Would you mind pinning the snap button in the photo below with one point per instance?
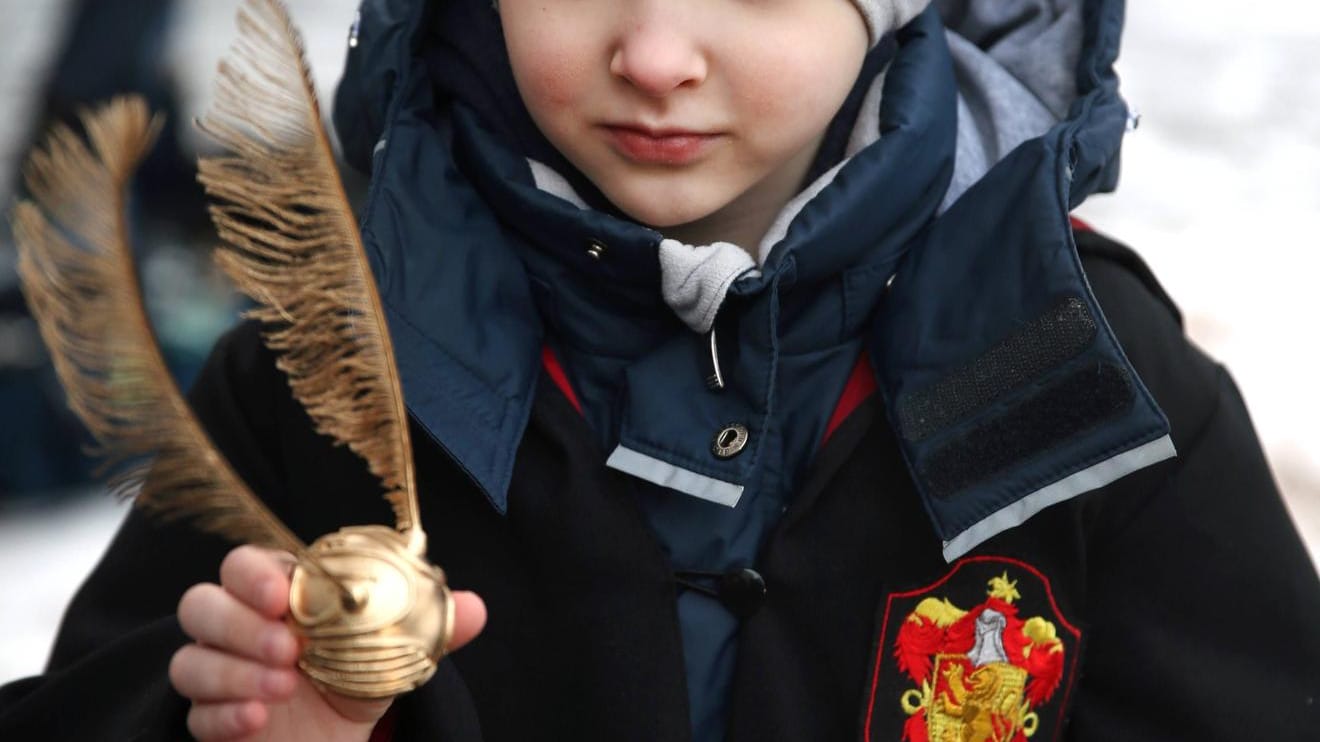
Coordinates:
(730, 441)
(596, 250)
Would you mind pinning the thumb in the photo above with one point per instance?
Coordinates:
(469, 618)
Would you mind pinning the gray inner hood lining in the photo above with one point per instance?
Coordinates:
(1016, 66)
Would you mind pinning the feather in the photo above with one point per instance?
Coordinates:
(293, 246)
(77, 272)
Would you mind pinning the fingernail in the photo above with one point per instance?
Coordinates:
(277, 684)
(279, 646)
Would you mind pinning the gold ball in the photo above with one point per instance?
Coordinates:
(386, 635)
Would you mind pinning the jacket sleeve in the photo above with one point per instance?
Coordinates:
(1203, 601)
(107, 673)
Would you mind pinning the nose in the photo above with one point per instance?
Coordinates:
(657, 56)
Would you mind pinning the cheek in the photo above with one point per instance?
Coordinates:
(794, 92)
(554, 81)
(793, 103)
(551, 69)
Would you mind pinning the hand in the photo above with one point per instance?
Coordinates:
(241, 674)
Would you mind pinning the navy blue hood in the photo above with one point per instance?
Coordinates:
(1005, 386)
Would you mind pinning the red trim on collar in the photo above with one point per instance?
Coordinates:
(556, 371)
(1080, 226)
(861, 385)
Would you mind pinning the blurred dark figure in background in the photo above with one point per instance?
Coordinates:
(110, 47)
(114, 47)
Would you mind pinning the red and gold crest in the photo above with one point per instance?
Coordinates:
(964, 671)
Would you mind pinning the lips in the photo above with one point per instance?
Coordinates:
(660, 146)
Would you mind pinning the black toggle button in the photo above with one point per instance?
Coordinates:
(742, 591)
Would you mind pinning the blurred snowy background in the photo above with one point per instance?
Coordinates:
(1220, 193)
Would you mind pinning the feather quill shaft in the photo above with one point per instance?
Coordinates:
(77, 272)
(293, 246)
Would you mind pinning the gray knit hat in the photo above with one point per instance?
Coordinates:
(883, 16)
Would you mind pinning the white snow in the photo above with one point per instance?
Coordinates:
(45, 553)
(1221, 195)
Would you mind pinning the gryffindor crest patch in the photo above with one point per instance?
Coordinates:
(982, 655)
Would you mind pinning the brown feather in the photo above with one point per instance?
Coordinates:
(77, 272)
(294, 247)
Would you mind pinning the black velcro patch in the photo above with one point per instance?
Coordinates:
(1060, 334)
(1060, 411)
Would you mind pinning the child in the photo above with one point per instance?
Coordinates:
(759, 391)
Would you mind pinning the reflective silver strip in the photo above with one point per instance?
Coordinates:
(1091, 478)
(666, 474)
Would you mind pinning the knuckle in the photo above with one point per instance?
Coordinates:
(249, 572)
(245, 718)
(241, 634)
(213, 616)
(236, 680)
(237, 561)
(179, 667)
(217, 721)
(189, 597)
(203, 723)
(195, 603)
(196, 674)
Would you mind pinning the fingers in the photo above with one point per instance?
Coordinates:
(213, 616)
(259, 578)
(207, 675)
(243, 615)
(225, 721)
(469, 618)
(245, 654)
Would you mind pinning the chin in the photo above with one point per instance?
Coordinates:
(662, 208)
(665, 220)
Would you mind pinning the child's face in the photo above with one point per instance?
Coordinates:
(678, 109)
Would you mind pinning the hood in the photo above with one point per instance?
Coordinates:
(979, 271)
(1018, 62)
